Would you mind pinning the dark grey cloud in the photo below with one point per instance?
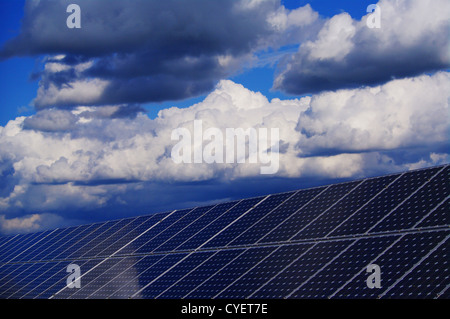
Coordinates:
(143, 50)
(413, 39)
(51, 121)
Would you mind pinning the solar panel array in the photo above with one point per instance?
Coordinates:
(311, 243)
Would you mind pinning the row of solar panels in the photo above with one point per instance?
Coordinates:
(265, 226)
(376, 205)
(413, 265)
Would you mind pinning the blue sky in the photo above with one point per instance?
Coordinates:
(86, 114)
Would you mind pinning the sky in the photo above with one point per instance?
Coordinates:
(87, 114)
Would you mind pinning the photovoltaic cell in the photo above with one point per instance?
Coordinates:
(337, 214)
(196, 277)
(365, 219)
(229, 273)
(439, 215)
(426, 280)
(275, 217)
(201, 223)
(125, 243)
(264, 271)
(185, 221)
(248, 220)
(166, 280)
(409, 213)
(300, 219)
(395, 262)
(312, 243)
(342, 269)
(300, 270)
(219, 224)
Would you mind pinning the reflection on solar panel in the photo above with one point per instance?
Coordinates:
(313, 243)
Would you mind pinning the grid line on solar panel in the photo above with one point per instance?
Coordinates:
(300, 270)
(230, 272)
(290, 226)
(102, 286)
(433, 191)
(444, 293)
(278, 273)
(20, 278)
(44, 236)
(159, 222)
(438, 216)
(124, 275)
(54, 249)
(200, 224)
(159, 227)
(263, 271)
(373, 212)
(277, 216)
(364, 268)
(322, 268)
(18, 271)
(200, 274)
(246, 272)
(394, 262)
(129, 243)
(402, 202)
(24, 244)
(15, 273)
(185, 221)
(78, 249)
(358, 184)
(93, 245)
(6, 239)
(147, 271)
(21, 243)
(364, 205)
(44, 245)
(32, 289)
(343, 268)
(346, 206)
(60, 288)
(427, 280)
(214, 227)
(165, 280)
(414, 267)
(100, 267)
(247, 219)
(26, 284)
(142, 224)
(143, 289)
(60, 250)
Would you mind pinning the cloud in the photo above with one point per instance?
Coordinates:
(345, 53)
(85, 163)
(34, 222)
(145, 51)
(51, 121)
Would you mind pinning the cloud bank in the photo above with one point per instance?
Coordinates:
(82, 161)
(413, 39)
(143, 51)
(147, 51)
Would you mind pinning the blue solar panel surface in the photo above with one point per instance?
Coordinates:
(312, 243)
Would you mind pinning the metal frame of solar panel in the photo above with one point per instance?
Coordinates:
(311, 243)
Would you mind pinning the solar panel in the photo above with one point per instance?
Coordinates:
(310, 243)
